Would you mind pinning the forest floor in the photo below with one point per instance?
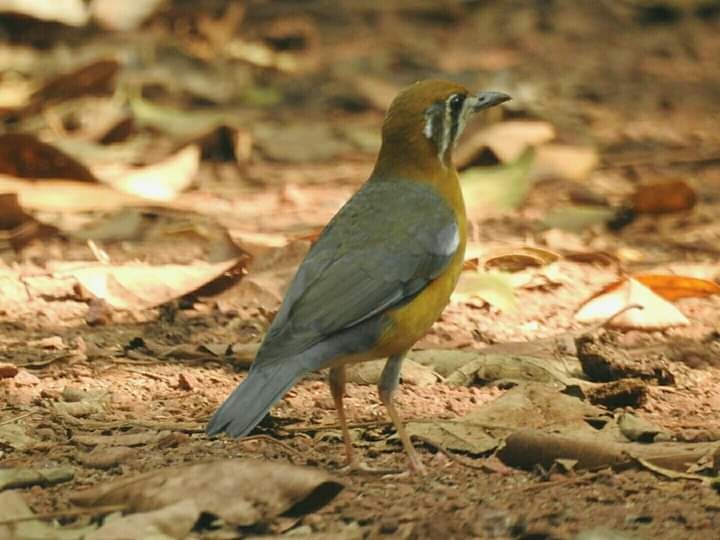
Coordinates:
(104, 386)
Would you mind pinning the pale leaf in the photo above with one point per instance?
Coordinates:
(655, 313)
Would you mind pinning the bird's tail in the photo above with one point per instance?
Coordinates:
(252, 399)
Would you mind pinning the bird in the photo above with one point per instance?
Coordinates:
(380, 273)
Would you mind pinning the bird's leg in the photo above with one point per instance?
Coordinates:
(336, 380)
(386, 388)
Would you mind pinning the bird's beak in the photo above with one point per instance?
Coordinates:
(485, 100)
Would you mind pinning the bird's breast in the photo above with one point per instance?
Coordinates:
(408, 323)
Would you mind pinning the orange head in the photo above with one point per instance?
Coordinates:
(423, 124)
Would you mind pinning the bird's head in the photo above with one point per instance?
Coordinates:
(423, 124)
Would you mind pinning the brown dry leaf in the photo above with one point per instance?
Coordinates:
(533, 405)
(663, 197)
(140, 286)
(25, 156)
(67, 195)
(602, 258)
(507, 140)
(161, 181)
(520, 258)
(655, 313)
(96, 79)
(241, 492)
(7, 370)
(454, 435)
(672, 287)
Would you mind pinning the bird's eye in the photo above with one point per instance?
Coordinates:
(456, 102)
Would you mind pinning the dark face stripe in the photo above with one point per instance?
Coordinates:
(454, 105)
(443, 123)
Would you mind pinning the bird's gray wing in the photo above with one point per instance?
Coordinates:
(383, 247)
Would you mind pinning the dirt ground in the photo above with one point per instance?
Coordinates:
(638, 83)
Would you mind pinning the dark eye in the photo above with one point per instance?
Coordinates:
(456, 102)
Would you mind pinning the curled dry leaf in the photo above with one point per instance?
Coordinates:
(520, 258)
(140, 286)
(241, 492)
(673, 287)
(663, 197)
(161, 181)
(655, 313)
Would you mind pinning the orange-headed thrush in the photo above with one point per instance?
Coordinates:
(382, 270)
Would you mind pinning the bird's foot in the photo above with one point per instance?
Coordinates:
(360, 467)
(415, 468)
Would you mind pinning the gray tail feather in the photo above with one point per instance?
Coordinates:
(251, 400)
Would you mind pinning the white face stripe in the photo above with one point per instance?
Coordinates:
(444, 124)
(428, 129)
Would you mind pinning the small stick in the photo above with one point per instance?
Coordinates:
(328, 427)
(289, 449)
(12, 420)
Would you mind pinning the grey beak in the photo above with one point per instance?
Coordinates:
(485, 100)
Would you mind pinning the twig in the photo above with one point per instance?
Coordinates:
(328, 427)
(381, 423)
(66, 513)
(13, 420)
(289, 449)
(185, 427)
(145, 374)
(669, 473)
